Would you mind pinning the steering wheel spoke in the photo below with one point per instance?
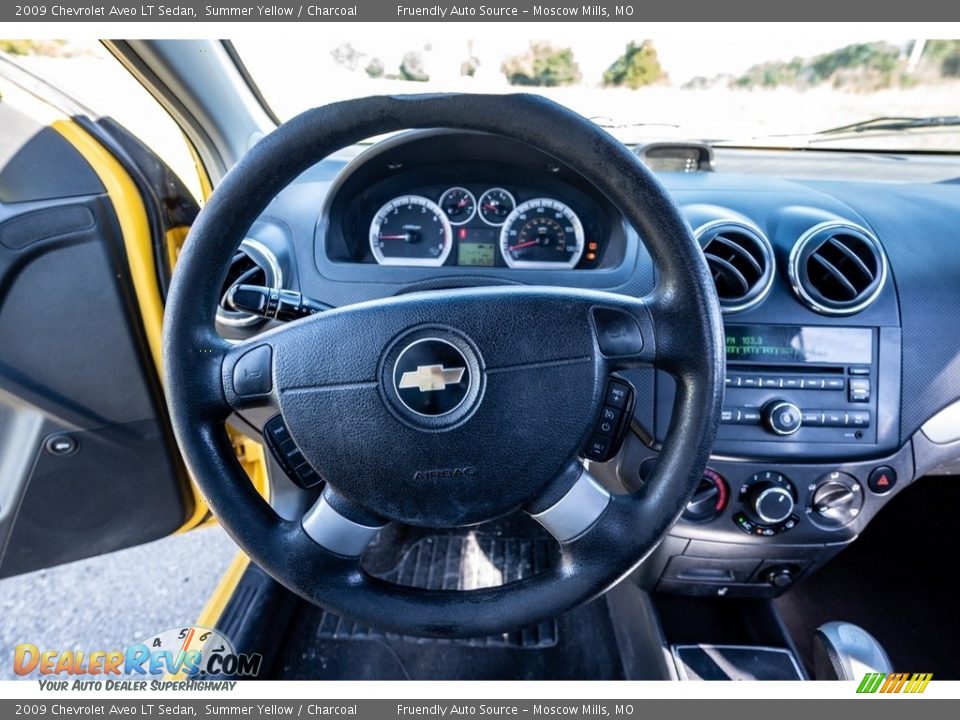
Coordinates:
(340, 526)
(569, 509)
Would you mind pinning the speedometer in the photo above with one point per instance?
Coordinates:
(410, 230)
(542, 233)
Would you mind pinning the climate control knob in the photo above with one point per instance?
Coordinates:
(782, 417)
(837, 500)
(770, 502)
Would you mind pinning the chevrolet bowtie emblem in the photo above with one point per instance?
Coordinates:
(428, 378)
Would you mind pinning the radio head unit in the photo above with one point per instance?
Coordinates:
(794, 389)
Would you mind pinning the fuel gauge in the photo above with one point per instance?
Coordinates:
(496, 204)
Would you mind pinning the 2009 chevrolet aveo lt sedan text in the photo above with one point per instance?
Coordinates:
(501, 393)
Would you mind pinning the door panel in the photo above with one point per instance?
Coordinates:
(87, 459)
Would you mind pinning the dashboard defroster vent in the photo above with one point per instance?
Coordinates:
(252, 264)
(741, 261)
(837, 268)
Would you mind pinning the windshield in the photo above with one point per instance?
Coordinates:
(645, 81)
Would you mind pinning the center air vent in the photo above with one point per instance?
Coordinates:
(837, 268)
(252, 264)
(741, 262)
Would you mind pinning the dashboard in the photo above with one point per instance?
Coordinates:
(839, 288)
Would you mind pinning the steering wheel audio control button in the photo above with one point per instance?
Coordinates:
(617, 394)
(288, 455)
(609, 420)
(599, 448)
(618, 334)
(611, 427)
(252, 375)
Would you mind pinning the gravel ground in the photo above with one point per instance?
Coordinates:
(111, 601)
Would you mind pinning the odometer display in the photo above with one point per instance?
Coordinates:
(542, 233)
(410, 230)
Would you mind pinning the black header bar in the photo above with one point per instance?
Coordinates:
(84, 11)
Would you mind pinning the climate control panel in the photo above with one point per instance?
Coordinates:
(754, 527)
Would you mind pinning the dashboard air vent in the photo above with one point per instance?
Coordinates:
(837, 268)
(741, 261)
(252, 264)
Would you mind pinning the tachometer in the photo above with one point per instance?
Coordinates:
(542, 233)
(459, 204)
(410, 230)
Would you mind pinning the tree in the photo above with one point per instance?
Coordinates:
(412, 67)
(638, 66)
(543, 65)
(375, 68)
(945, 54)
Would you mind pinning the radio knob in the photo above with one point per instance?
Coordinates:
(782, 417)
(770, 502)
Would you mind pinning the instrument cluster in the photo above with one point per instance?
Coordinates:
(482, 226)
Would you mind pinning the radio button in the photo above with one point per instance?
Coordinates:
(813, 417)
(770, 382)
(812, 383)
(792, 383)
(750, 381)
(859, 390)
(835, 383)
(859, 370)
(749, 416)
(729, 415)
(858, 418)
(834, 418)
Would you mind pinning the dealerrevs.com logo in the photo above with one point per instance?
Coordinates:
(187, 653)
(887, 683)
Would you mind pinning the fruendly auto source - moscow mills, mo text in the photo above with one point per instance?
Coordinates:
(513, 11)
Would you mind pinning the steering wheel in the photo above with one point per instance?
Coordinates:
(451, 407)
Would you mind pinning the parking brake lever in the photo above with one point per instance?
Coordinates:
(283, 305)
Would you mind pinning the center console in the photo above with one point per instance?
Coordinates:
(807, 453)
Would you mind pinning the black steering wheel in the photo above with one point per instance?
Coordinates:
(451, 407)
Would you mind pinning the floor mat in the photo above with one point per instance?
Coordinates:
(895, 581)
(585, 649)
(579, 645)
(460, 562)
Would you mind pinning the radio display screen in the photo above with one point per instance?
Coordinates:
(792, 344)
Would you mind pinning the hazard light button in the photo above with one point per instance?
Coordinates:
(882, 479)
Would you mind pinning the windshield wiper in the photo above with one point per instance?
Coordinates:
(893, 124)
